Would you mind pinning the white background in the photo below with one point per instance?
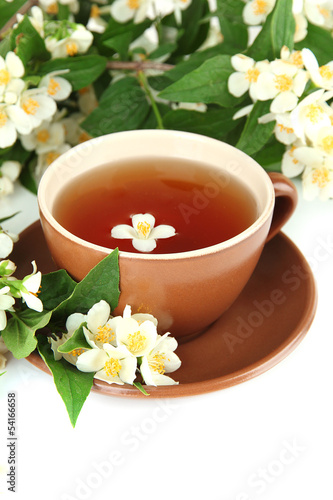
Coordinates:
(269, 438)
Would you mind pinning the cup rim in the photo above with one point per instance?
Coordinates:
(253, 228)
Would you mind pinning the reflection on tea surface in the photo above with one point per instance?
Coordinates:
(205, 206)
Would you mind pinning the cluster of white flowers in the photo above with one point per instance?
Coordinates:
(121, 346)
(31, 114)
(304, 125)
(11, 288)
(317, 12)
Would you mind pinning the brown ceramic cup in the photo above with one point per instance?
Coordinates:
(186, 291)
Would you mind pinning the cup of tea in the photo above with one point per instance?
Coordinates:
(189, 214)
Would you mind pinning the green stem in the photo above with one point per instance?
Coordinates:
(143, 80)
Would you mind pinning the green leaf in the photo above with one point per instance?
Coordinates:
(8, 10)
(214, 123)
(19, 334)
(5, 46)
(9, 217)
(27, 177)
(262, 47)
(101, 283)
(27, 42)
(139, 386)
(283, 26)
(72, 385)
(207, 84)
(318, 40)
(123, 106)
(235, 31)
(270, 156)
(194, 29)
(255, 135)
(56, 287)
(83, 70)
(76, 341)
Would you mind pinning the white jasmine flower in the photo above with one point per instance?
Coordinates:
(100, 327)
(284, 83)
(13, 120)
(36, 19)
(294, 57)
(6, 186)
(96, 23)
(321, 76)
(74, 134)
(136, 333)
(6, 302)
(78, 42)
(125, 10)
(290, 165)
(324, 140)
(7, 241)
(243, 112)
(318, 173)
(57, 87)
(44, 160)
(114, 365)
(256, 11)
(246, 76)
(143, 233)
(11, 84)
(319, 12)
(45, 138)
(37, 106)
(30, 287)
(283, 129)
(301, 27)
(311, 114)
(11, 169)
(159, 361)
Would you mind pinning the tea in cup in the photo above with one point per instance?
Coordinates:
(189, 214)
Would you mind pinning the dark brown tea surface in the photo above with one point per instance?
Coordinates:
(204, 205)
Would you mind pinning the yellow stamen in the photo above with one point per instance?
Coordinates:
(326, 72)
(53, 87)
(30, 106)
(324, 12)
(71, 48)
(112, 367)
(4, 77)
(259, 7)
(43, 135)
(52, 8)
(50, 157)
(95, 11)
(283, 128)
(133, 4)
(136, 341)
(252, 75)
(105, 334)
(321, 177)
(327, 143)
(143, 228)
(76, 352)
(157, 363)
(314, 112)
(291, 152)
(297, 59)
(283, 82)
(3, 119)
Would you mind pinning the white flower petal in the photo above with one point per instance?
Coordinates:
(15, 65)
(32, 301)
(143, 218)
(123, 231)
(74, 321)
(92, 361)
(238, 84)
(6, 245)
(162, 231)
(286, 101)
(144, 245)
(98, 315)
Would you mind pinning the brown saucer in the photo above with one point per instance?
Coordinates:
(268, 320)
